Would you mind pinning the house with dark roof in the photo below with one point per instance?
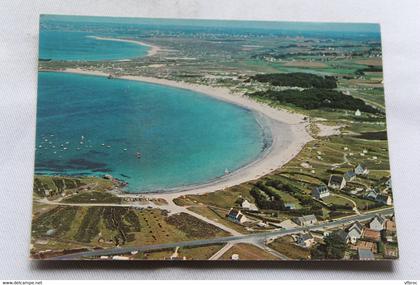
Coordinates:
(306, 220)
(371, 194)
(336, 182)
(349, 176)
(320, 191)
(361, 170)
(236, 216)
(305, 240)
(384, 199)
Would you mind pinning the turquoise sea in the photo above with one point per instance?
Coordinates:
(90, 125)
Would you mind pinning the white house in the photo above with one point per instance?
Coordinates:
(377, 223)
(337, 182)
(306, 220)
(320, 192)
(248, 206)
(357, 113)
(354, 232)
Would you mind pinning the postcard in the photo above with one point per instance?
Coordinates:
(169, 139)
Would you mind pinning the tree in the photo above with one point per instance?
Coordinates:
(335, 246)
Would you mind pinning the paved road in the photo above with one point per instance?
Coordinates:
(252, 238)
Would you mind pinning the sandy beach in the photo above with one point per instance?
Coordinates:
(153, 49)
(281, 123)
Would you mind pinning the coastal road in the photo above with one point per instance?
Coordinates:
(257, 238)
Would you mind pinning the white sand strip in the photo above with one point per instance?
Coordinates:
(153, 49)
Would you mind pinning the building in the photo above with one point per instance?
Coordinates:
(320, 192)
(336, 182)
(371, 194)
(361, 170)
(248, 206)
(388, 183)
(390, 231)
(361, 244)
(349, 176)
(377, 223)
(365, 254)
(357, 113)
(236, 216)
(371, 235)
(305, 240)
(354, 232)
(384, 199)
(306, 220)
(290, 206)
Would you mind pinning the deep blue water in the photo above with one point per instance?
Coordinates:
(184, 137)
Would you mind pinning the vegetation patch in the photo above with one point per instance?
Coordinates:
(193, 227)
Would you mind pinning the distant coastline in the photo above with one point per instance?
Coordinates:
(153, 49)
(279, 153)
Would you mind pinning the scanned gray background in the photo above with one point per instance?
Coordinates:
(18, 81)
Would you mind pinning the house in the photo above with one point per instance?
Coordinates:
(390, 252)
(290, 206)
(236, 216)
(357, 113)
(365, 254)
(361, 244)
(305, 240)
(320, 192)
(248, 206)
(306, 220)
(388, 183)
(371, 235)
(371, 194)
(361, 170)
(336, 182)
(390, 231)
(377, 223)
(354, 232)
(384, 199)
(349, 176)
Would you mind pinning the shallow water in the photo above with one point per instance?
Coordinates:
(90, 125)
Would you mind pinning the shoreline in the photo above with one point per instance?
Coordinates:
(281, 150)
(153, 49)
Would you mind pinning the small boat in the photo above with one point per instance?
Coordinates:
(226, 171)
(138, 155)
(110, 76)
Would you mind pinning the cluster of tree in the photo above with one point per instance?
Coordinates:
(266, 198)
(298, 79)
(334, 248)
(370, 68)
(316, 98)
(309, 205)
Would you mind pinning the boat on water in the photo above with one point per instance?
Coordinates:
(227, 171)
(138, 155)
(110, 76)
